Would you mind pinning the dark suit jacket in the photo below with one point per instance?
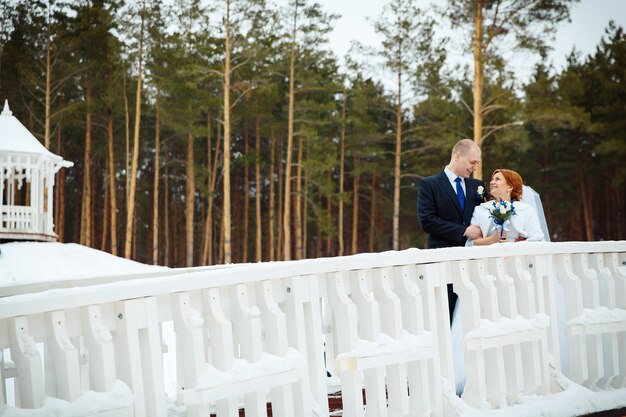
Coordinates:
(440, 213)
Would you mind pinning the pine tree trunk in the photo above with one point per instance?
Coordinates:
(575, 230)
(287, 204)
(586, 207)
(342, 150)
(155, 187)
(246, 195)
(396, 170)
(48, 85)
(220, 256)
(373, 214)
(85, 229)
(59, 211)
(477, 91)
(608, 191)
(134, 245)
(94, 208)
(112, 198)
(213, 186)
(305, 203)
(281, 200)
(226, 213)
(329, 216)
(207, 249)
(105, 218)
(319, 246)
(257, 201)
(130, 209)
(237, 214)
(76, 226)
(127, 138)
(174, 237)
(166, 218)
(272, 207)
(298, 202)
(355, 206)
(207, 230)
(190, 191)
(619, 229)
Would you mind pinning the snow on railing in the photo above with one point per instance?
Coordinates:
(219, 339)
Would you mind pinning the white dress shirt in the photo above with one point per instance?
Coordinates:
(452, 178)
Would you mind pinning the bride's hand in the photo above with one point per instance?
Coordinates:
(495, 238)
(502, 238)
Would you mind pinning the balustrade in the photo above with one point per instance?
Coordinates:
(16, 218)
(253, 333)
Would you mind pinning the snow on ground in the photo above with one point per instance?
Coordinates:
(30, 262)
(90, 403)
(39, 262)
(573, 400)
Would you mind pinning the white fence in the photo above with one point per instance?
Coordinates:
(248, 334)
(17, 219)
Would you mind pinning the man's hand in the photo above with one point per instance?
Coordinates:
(473, 232)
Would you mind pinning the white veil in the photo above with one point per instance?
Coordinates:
(531, 197)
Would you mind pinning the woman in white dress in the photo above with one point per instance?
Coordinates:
(524, 225)
(506, 185)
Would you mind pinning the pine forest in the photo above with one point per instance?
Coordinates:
(222, 131)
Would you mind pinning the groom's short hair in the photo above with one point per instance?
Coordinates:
(463, 146)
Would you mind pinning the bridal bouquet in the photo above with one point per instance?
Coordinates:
(501, 211)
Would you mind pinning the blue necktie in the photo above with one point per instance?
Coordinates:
(459, 193)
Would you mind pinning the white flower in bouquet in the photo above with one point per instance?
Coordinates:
(501, 211)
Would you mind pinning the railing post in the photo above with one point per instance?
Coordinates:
(391, 323)
(618, 272)
(591, 299)
(425, 390)
(304, 324)
(248, 325)
(433, 279)
(345, 323)
(275, 327)
(99, 344)
(190, 359)
(62, 364)
(572, 288)
(222, 349)
(139, 360)
(475, 392)
(369, 329)
(24, 352)
(609, 342)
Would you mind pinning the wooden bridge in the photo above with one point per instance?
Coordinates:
(378, 324)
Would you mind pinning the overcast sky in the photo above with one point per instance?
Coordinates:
(589, 20)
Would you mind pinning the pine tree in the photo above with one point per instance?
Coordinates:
(518, 25)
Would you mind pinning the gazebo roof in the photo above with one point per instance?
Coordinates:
(15, 138)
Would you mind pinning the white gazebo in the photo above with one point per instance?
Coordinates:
(27, 171)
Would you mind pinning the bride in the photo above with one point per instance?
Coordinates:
(506, 185)
(524, 225)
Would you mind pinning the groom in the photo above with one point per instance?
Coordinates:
(446, 201)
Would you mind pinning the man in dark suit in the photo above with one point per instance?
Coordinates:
(446, 201)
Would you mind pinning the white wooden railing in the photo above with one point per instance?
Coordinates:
(247, 334)
(17, 218)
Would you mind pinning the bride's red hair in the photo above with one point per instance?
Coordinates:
(514, 180)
